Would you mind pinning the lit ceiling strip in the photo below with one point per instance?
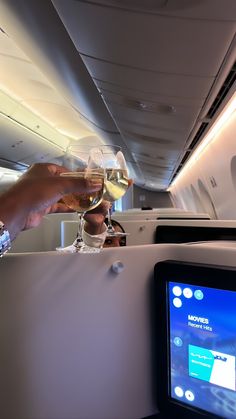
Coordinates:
(224, 117)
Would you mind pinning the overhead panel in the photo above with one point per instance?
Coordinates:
(28, 87)
(21, 145)
(148, 57)
(194, 9)
(152, 42)
(144, 64)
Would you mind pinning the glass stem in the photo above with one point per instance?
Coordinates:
(79, 241)
(110, 228)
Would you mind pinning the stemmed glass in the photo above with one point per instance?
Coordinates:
(116, 181)
(83, 162)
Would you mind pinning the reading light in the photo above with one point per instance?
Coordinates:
(224, 117)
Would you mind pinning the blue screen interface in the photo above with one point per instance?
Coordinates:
(202, 336)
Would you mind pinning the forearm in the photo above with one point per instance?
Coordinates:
(12, 213)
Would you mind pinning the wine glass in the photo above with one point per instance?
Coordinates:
(83, 162)
(116, 181)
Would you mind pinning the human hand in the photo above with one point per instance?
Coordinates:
(94, 219)
(37, 193)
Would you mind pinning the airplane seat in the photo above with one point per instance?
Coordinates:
(52, 229)
(76, 330)
(160, 215)
(143, 232)
(29, 241)
(177, 231)
(196, 233)
(69, 230)
(45, 237)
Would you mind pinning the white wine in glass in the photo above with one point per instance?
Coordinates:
(84, 162)
(116, 180)
(83, 202)
(116, 184)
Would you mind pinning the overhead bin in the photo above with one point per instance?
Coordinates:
(51, 49)
(21, 145)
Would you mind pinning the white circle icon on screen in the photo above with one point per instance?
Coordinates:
(177, 291)
(189, 395)
(177, 302)
(198, 294)
(178, 341)
(179, 391)
(188, 293)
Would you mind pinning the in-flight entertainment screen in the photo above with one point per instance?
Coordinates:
(201, 340)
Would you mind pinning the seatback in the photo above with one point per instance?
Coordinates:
(75, 331)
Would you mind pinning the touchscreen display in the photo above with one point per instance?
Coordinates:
(202, 336)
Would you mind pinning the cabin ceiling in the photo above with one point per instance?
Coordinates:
(140, 73)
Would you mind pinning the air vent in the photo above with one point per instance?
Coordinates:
(147, 138)
(145, 157)
(147, 106)
(155, 166)
(224, 90)
(152, 174)
(228, 83)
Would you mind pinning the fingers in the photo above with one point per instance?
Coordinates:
(44, 170)
(100, 209)
(130, 182)
(60, 207)
(80, 184)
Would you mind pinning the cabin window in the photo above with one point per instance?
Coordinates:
(207, 201)
(233, 171)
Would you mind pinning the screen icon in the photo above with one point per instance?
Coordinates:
(177, 291)
(187, 292)
(189, 395)
(178, 341)
(179, 391)
(177, 302)
(198, 294)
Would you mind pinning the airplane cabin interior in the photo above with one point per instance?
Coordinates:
(144, 329)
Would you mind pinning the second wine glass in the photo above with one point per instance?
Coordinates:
(116, 180)
(84, 162)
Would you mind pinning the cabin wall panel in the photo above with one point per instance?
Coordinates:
(145, 198)
(213, 170)
(127, 199)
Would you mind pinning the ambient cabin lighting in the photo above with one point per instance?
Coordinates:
(224, 117)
